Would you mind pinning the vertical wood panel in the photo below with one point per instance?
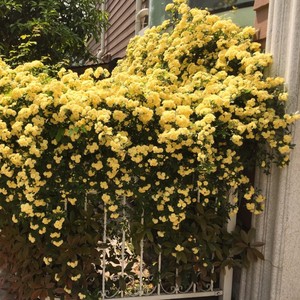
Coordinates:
(261, 8)
(121, 29)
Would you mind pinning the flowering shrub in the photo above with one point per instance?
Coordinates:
(174, 129)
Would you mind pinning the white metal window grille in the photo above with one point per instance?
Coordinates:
(136, 276)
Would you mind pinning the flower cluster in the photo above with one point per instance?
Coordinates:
(174, 129)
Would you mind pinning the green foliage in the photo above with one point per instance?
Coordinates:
(52, 30)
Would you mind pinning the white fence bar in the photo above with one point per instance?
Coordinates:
(226, 276)
(104, 252)
(123, 241)
(141, 260)
(159, 272)
(141, 284)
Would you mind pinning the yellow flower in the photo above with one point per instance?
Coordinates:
(42, 231)
(169, 6)
(47, 260)
(14, 219)
(119, 115)
(57, 243)
(114, 216)
(154, 221)
(113, 208)
(81, 296)
(160, 207)
(27, 209)
(34, 227)
(195, 250)
(31, 238)
(75, 278)
(58, 224)
(161, 233)
(284, 149)
(72, 201)
(250, 206)
(67, 290)
(105, 198)
(46, 221)
(179, 248)
(55, 235)
(237, 139)
(72, 264)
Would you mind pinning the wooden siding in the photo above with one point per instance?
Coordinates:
(121, 28)
(261, 8)
(94, 46)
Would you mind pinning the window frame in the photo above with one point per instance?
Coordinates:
(231, 7)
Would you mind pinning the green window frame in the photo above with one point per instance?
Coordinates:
(217, 6)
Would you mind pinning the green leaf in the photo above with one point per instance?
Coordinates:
(149, 235)
(257, 244)
(241, 245)
(219, 254)
(251, 256)
(122, 284)
(60, 133)
(245, 237)
(258, 254)
(251, 234)
(199, 209)
(236, 250)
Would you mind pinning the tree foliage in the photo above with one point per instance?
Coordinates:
(53, 29)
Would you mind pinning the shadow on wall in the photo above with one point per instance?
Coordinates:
(108, 66)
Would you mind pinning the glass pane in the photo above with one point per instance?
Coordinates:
(219, 4)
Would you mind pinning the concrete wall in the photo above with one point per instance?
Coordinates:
(278, 277)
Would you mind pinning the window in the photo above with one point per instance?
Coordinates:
(220, 5)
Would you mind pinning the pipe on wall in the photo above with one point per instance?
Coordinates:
(138, 17)
(102, 37)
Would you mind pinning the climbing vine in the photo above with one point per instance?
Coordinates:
(174, 130)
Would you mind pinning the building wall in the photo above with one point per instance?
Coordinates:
(120, 30)
(261, 8)
(278, 277)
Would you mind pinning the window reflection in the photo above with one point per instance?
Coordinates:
(220, 5)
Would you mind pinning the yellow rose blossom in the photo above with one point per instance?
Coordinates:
(14, 219)
(57, 243)
(195, 250)
(55, 235)
(75, 278)
(31, 238)
(179, 248)
(47, 260)
(114, 216)
(113, 208)
(58, 224)
(42, 231)
(67, 290)
(81, 296)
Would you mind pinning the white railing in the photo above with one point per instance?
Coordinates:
(136, 276)
(137, 282)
